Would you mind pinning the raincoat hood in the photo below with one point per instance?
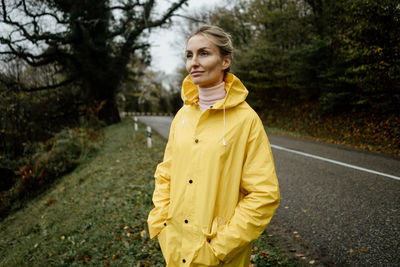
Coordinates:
(236, 92)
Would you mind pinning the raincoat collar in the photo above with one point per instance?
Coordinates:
(236, 92)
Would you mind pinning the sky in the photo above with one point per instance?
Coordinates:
(167, 46)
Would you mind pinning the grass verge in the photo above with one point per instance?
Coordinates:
(380, 133)
(96, 215)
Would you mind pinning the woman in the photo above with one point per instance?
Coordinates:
(216, 189)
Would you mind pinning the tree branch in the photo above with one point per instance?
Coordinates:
(126, 7)
(45, 58)
(36, 37)
(48, 87)
(167, 15)
(34, 16)
(189, 18)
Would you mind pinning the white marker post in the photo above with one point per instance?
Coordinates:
(136, 127)
(148, 136)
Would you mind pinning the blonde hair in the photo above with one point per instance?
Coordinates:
(217, 36)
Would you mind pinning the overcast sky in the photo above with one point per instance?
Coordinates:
(166, 50)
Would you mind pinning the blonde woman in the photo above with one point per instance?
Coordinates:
(216, 189)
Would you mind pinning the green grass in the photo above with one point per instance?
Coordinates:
(266, 253)
(97, 214)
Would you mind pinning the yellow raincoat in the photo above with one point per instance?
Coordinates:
(216, 189)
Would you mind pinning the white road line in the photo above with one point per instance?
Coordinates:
(335, 162)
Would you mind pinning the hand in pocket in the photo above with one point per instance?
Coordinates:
(205, 256)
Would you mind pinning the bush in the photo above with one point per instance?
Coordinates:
(50, 160)
(30, 117)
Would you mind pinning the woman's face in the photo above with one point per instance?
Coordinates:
(204, 62)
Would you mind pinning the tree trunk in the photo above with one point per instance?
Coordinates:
(109, 112)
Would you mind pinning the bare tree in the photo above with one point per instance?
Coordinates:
(90, 42)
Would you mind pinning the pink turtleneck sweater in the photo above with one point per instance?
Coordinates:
(208, 96)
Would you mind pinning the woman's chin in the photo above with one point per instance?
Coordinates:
(197, 80)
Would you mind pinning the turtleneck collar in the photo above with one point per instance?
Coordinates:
(208, 96)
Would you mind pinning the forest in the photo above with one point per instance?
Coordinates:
(326, 69)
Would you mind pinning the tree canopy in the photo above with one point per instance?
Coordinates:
(342, 55)
(89, 42)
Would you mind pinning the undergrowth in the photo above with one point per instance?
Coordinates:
(363, 130)
(43, 163)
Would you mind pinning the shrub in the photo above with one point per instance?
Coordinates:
(50, 160)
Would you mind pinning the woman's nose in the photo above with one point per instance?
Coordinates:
(194, 62)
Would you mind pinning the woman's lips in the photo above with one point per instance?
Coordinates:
(196, 73)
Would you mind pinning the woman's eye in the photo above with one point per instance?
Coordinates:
(204, 53)
(188, 55)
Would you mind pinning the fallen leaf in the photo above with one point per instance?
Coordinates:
(299, 255)
(295, 232)
(311, 262)
(118, 237)
(256, 248)
(286, 207)
(363, 250)
(143, 233)
(297, 236)
(351, 250)
(36, 245)
(305, 211)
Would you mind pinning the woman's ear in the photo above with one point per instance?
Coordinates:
(226, 62)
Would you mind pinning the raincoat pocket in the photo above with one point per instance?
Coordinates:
(205, 256)
(217, 225)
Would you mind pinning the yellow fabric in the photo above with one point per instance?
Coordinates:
(212, 201)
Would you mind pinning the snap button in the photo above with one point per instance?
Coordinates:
(165, 224)
(190, 181)
(186, 221)
(208, 240)
(197, 140)
(183, 260)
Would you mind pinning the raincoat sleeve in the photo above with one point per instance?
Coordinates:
(260, 187)
(161, 195)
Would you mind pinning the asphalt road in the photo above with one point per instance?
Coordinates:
(351, 215)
